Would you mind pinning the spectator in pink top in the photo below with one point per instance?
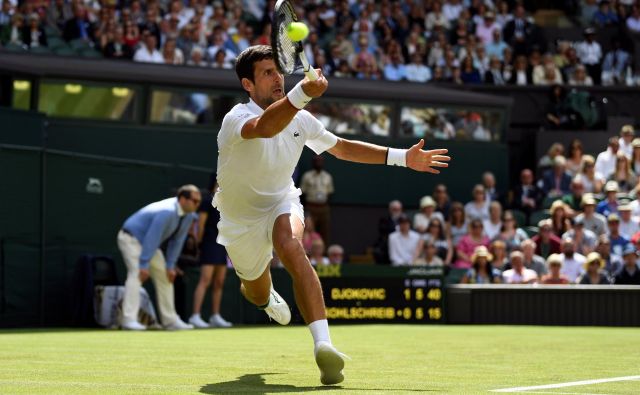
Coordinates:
(468, 243)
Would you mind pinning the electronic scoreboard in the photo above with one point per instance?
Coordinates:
(355, 293)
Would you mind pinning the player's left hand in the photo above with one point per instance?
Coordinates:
(420, 160)
(171, 275)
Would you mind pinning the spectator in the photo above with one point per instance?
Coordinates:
(590, 54)
(436, 18)
(623, 175)
(526, 196)
(403, 243)
(540, 72)
(558, 115)
(615, 63)
(625, 142)
(436, 235)
(493, 224)
(148, 52)
(519, 274)
(172, 54)
(6, 12)
(572, 262)
(489, 183)
(395, 69)
(429, 256)
(485, 31)
(547, 161)
(522, 74)
(427, 213)
(452, 9)
(33, 34)
(468, 73)
(594, 275)
(417, 71)
(628, 224)
(593, 221)
(443, 203)
(468, 243)
(556, 182)
(518, 32)
(197, 57)
(546, 242)
(457, 226)
(610, 204)
(584, 239)
(13, 33)
(560, 215)
(481, 272)
(139, 241)
(309, 234)
(500, 257)
(574, 199)
(509, 233)
(213, 263)
(221, 61)
(317, 187)
(131, 34)
(497, 46)
(494, 76)
(531, 260)
(335, 253)
(612, 263)
(630, 273)
(580, 77)
(78, 27)
(116, 47)
(591, 179)
(478, 208)
(605, 16)
(317, 257)
(555, 276)
(387, 225)
(618, 242)
(574, 159)
(633, 21)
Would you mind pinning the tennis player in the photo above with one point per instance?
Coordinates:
(260, 143)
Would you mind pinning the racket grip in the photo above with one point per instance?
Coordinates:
(309, 71)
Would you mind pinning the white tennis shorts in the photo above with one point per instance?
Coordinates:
(250, 248)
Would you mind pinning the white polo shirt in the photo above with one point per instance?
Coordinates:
(254, 175)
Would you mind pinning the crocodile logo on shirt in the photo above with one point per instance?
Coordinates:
(296, 134)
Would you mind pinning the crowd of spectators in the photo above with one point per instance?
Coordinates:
(459, 41)
(579, 222)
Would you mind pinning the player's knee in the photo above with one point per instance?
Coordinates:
(288, 248)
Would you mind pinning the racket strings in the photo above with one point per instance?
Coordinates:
(286, 48)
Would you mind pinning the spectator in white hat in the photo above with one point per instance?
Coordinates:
(628, 223)
(426, 214)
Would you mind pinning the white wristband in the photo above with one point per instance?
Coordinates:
(396, 157)
(297, 97)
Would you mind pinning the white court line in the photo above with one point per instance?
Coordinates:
(571, 384)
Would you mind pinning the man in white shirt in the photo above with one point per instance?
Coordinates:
(416, 71)
(519, 274)
(606, 160)
(148, 52)
(627, 133)
(590, 54)
(452, 9)
(572, 262)
(403, 243)
(260, 143)
(628, 223)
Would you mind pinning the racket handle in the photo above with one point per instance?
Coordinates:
(309, 71)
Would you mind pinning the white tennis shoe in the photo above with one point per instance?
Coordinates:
(216, 321)
(278, 309)
(331, 362)
(197, 321)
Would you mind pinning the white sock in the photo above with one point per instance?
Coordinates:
(195, 315)
(320, 331)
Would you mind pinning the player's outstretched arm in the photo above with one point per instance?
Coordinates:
(415, 157)
(279, 114)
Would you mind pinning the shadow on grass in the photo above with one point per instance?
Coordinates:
(255, 384)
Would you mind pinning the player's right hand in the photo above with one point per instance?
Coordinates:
(143, 275)
(315, 88)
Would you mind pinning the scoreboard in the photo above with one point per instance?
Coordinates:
(358, 294)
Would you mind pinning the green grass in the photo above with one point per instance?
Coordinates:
(385, 359)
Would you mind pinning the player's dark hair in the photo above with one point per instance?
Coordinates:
(185, 191)
(247, 59)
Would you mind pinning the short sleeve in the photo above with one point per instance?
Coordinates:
(318, 138)
(231, 129)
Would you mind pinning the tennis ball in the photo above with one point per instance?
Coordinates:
(297, 31)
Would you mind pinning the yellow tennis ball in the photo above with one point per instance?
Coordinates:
(297, 31)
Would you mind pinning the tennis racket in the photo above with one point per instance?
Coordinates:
(285, 50)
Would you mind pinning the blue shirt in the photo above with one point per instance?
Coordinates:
(605, 208)
(154, 224)
(618, 244)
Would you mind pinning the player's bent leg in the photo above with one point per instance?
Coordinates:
(287, 236)
(261, 293)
